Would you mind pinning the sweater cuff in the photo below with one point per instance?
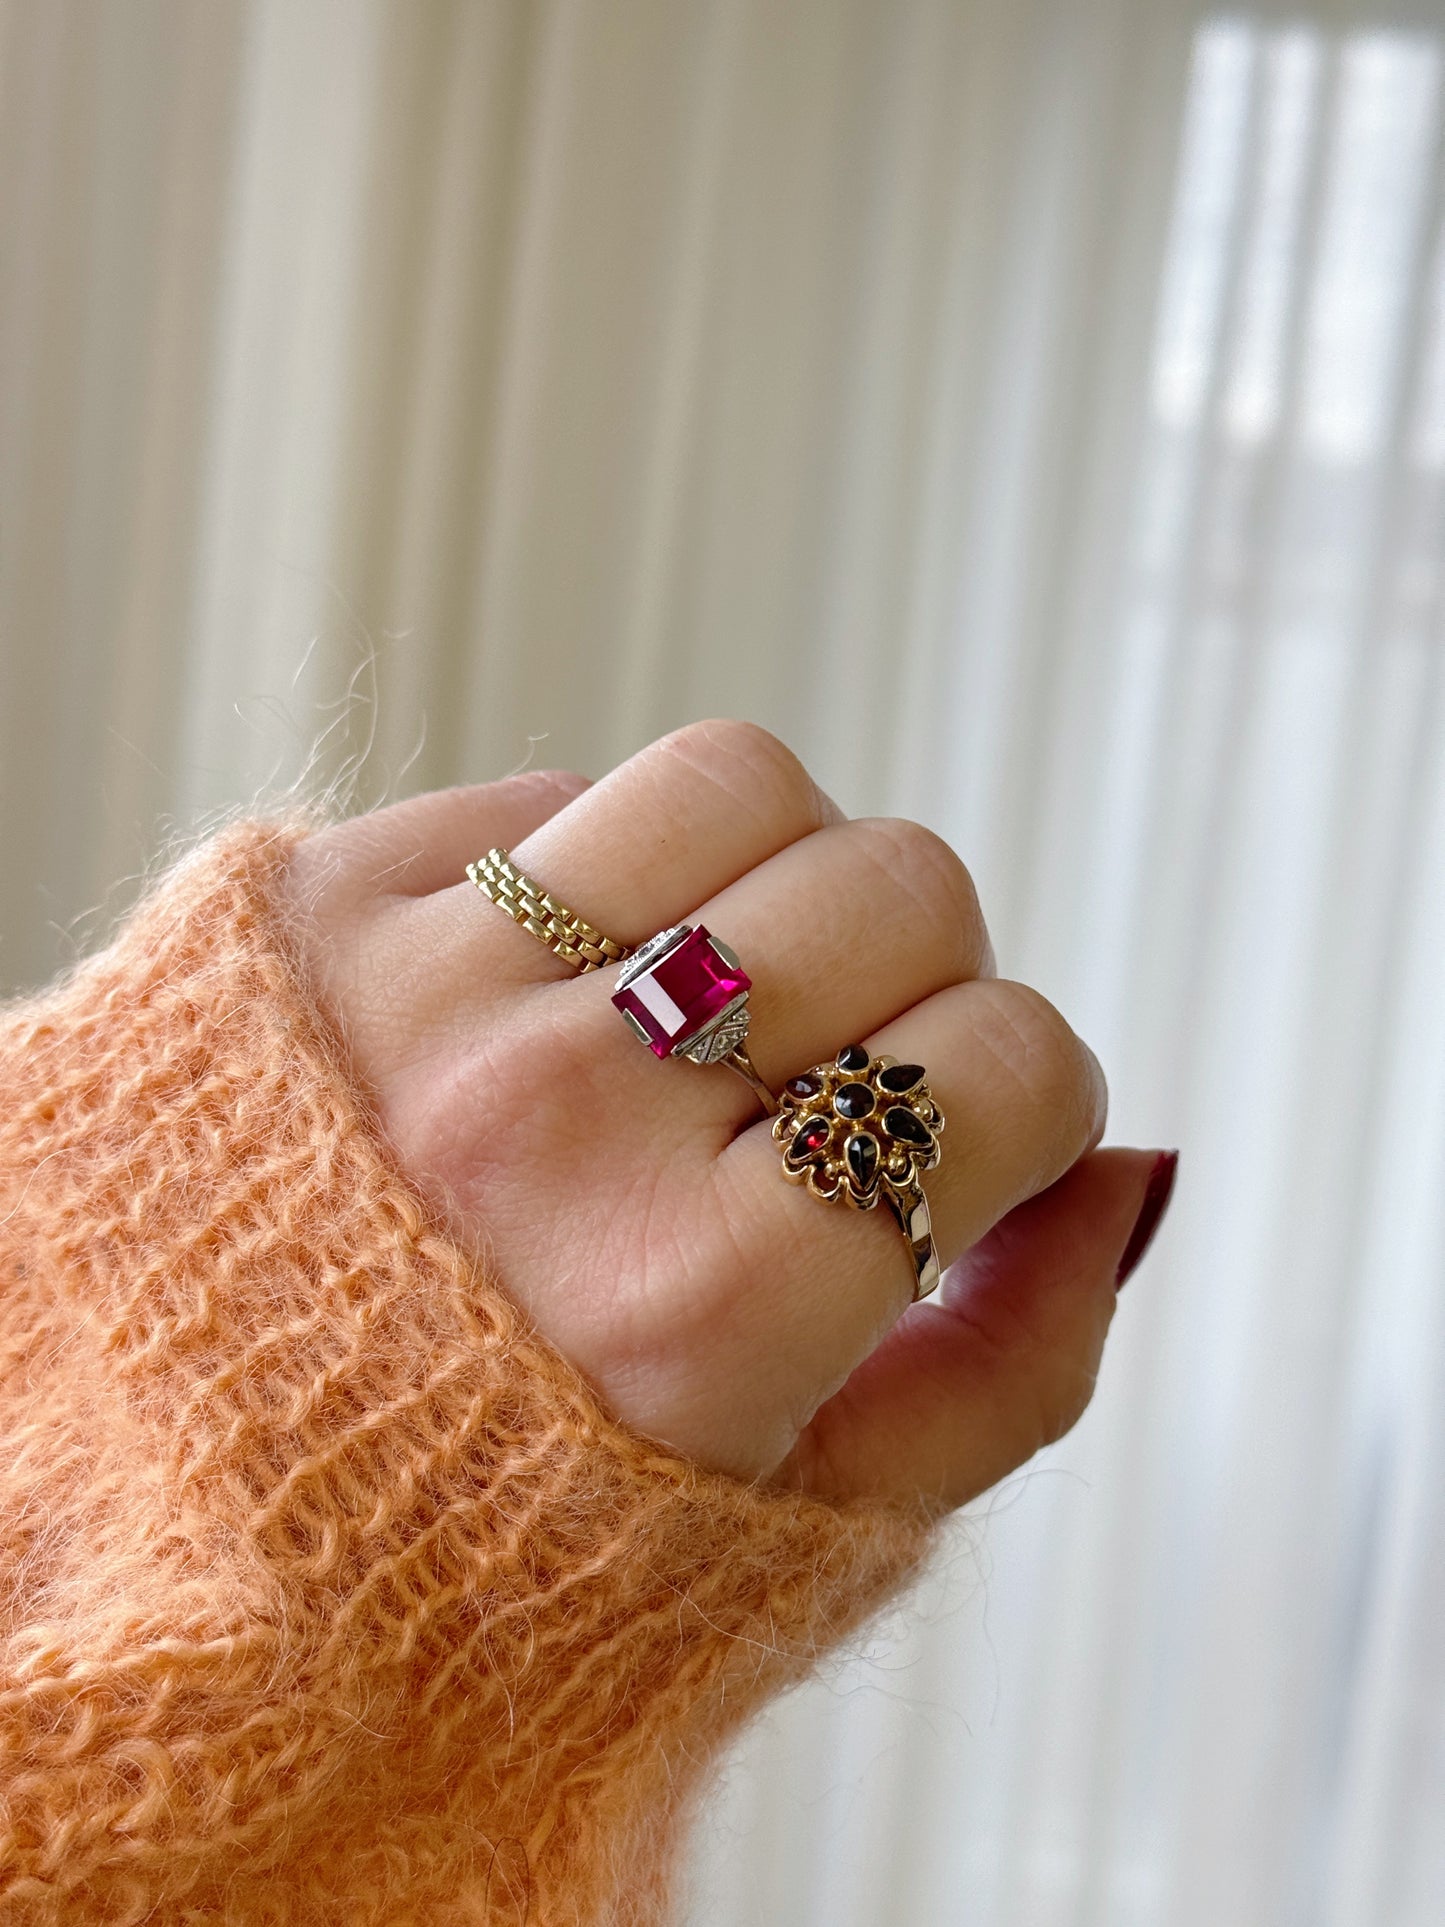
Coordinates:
(355, 1602)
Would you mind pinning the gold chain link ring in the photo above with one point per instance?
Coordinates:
(563, 932)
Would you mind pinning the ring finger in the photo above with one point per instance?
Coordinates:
(845, 930)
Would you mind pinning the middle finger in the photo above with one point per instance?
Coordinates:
(840, 932)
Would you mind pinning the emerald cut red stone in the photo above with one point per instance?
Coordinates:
(679, 995)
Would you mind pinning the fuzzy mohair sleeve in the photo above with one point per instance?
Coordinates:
(330, 1592)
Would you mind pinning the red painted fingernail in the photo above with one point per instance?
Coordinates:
(1157, 1193)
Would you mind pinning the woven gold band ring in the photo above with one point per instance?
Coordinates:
(563, 932)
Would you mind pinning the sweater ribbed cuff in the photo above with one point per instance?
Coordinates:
(332, 1591)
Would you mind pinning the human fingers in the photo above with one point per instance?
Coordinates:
(649, 842)
(1022, 1098)
(965, 1389)
(886, 895)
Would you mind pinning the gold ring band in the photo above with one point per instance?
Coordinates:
(561, 930)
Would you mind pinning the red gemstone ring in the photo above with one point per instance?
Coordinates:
(864, 1129)
(684, 994)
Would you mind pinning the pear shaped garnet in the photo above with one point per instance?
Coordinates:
(862, 1156)
(805, 1086)
(812, 1134)
(899, 1079)
(902, 1123)
(852, 1057)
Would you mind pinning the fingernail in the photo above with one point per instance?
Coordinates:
(1156, 1201)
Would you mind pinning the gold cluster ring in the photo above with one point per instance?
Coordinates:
(863, 1130)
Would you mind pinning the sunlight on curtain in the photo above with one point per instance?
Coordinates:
(1035, 411)
(1228, 1707)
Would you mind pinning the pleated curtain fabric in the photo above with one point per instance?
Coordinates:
(1034, 410)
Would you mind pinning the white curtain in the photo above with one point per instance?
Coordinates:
(1035, 411)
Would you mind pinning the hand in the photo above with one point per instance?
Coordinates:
(635, 1207)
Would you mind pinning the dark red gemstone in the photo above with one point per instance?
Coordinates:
(812, 1134)
(900, 1079)
(805, 1086)
(862, 1156)
(852, 1100)
(852, 1057)
(901, 1123)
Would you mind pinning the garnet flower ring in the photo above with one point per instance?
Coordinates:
(863, 1129)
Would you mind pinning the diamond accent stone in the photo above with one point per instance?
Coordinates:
(649, 951)
(725, 1035)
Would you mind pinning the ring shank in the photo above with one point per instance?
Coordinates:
(738, 1060)
(910, 1207)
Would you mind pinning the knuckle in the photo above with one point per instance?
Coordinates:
(933, 874)
(1048, 1407)
(819, 1461)
(477, 797)
(1049, 1063)
(548, 782)
(752, 764)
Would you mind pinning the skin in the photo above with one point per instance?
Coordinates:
(635, 1207)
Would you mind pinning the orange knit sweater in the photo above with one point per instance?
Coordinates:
(330, 1591)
